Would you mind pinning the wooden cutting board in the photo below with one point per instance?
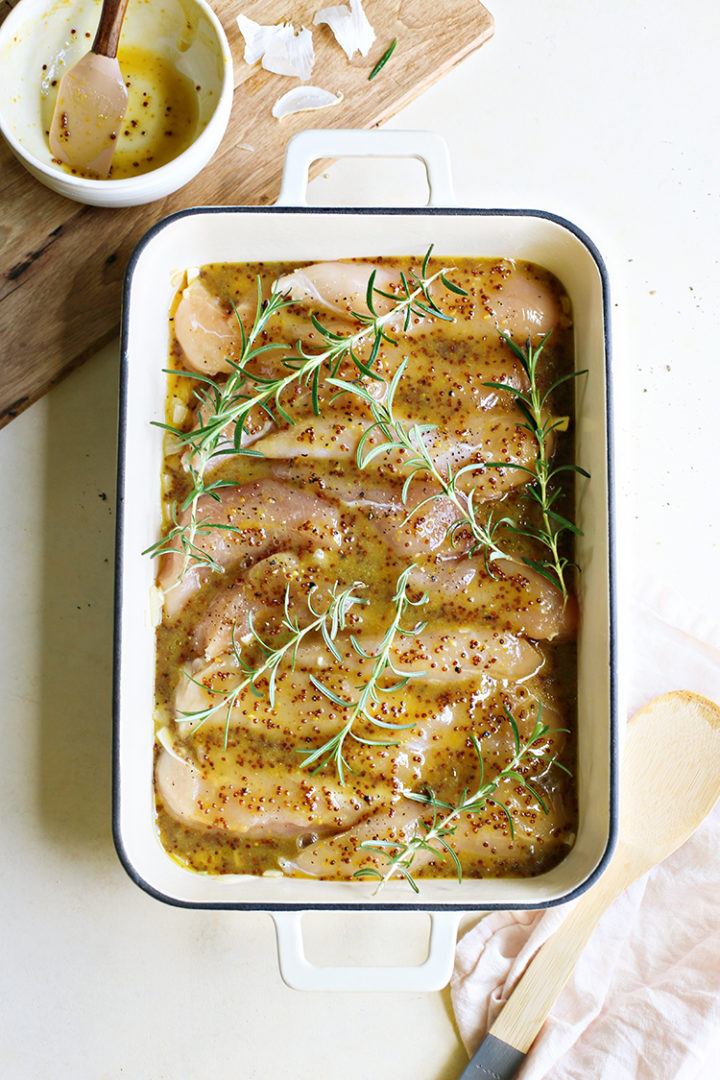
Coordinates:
(62, 264)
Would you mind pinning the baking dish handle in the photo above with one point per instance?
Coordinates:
(433, 974)
(308, 146)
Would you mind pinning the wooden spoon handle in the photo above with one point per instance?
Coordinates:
(503, 1049)
(527, 1008)
(109, 27)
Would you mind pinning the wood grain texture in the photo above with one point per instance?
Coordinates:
(62, 264)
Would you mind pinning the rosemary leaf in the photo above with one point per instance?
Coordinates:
(545, 488)
(383, 60)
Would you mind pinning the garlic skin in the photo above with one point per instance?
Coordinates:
(281, 48)
(304, 99)
(350, 25)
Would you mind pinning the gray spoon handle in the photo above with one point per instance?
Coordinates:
(493, 1060)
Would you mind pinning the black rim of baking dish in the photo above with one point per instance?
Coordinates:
(370, 904)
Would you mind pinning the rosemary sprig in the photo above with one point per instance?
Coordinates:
(435, 836)
(332, 751)
(409, 438)
(329, 622)
(229, 404)
(544, 489)
(185, 534)
(214, 399)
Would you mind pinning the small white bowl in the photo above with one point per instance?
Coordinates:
(40, 39)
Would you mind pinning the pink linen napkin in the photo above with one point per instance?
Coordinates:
(644, 1000)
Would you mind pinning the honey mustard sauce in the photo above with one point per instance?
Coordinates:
(161, 119)
(162, 115)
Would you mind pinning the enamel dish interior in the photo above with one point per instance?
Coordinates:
(237, 235)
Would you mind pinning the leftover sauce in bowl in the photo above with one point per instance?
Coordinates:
(161, 119)
(341, 663)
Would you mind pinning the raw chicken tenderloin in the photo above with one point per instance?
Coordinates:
(433, 737)
(521, 308)
(335, 434)
(498, 300)
(334, 292)
(514, 597)
(443, 656)
(418, 526)
(207, 331)
(339, 287)
(243, 525)
(456, 400)
(245, 793)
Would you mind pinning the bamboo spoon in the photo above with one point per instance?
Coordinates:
(92, 100)
(670, 780)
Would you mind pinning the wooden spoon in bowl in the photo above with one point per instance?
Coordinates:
(92, 100)
(669, 782)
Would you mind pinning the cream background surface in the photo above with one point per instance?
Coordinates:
(605, 113)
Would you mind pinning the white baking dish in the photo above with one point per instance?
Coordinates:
(296, 232)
